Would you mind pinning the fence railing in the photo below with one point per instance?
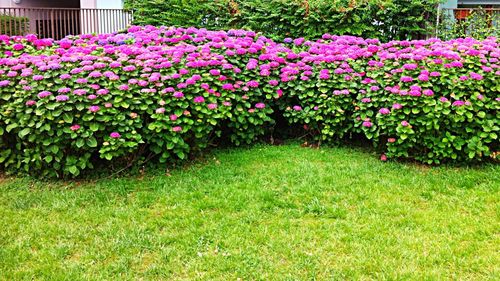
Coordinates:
(59, 22)
(463, 22)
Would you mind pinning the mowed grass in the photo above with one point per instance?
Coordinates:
(261, 213)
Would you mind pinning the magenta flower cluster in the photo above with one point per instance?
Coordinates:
(175, 88)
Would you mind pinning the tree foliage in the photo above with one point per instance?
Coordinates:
(383, 19)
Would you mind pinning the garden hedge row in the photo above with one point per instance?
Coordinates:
(164, 93)
(383, 19)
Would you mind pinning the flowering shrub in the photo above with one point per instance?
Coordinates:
(170, 91)
(429, 100)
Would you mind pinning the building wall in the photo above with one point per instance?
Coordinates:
(470, 3)
(100, 4)
(41, 4)
(109, 4)
(88, 3)
(450, 4)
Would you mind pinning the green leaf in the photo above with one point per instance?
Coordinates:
(91, 142)
(170, 145)
(48, 158)
(73, 170)
(54, 148)
(94, 127)
(79, 143)
(180, 154)
(10, 127)
(24, 132)
(68, 117)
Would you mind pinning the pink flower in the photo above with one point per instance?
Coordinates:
(423, 77)
(102, 91)
(279, 93)
(115, 135)
(405, 123)
(260, 105)
(123, 87)
(214, 72)
(65, 44)
(95, 74)
(273, 82)
(18, 47)
(129, 68)
(80, 92)
(253, 84)
(476, 76)
(160, 110)
(410, 66)
(178, 95)
(428, 92)
(367, 124)
(64, 90)
(173, 117)
(324, 74)
(391, 140)
(212, 106)
(199, 99)
(297, 108)
(62, 98)
(227, 86)
(30, 103)
(384, 111)
(177, 129)
(44, 94)
(406, 79)
(94, 108)
(458, 103)
(443, 99)
(383, 157)
(397, 106)
(74, 128)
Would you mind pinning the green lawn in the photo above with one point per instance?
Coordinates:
(263, 213)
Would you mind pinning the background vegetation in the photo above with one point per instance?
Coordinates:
(383, 19)
(478, 24)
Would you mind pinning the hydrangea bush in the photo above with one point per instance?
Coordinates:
(166, 92)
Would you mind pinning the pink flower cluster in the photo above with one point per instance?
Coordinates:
(211, 76)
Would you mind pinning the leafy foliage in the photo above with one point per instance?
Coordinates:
(383, 19)
(478, 24)
(165, 93)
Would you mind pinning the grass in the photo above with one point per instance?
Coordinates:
(264, 213)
